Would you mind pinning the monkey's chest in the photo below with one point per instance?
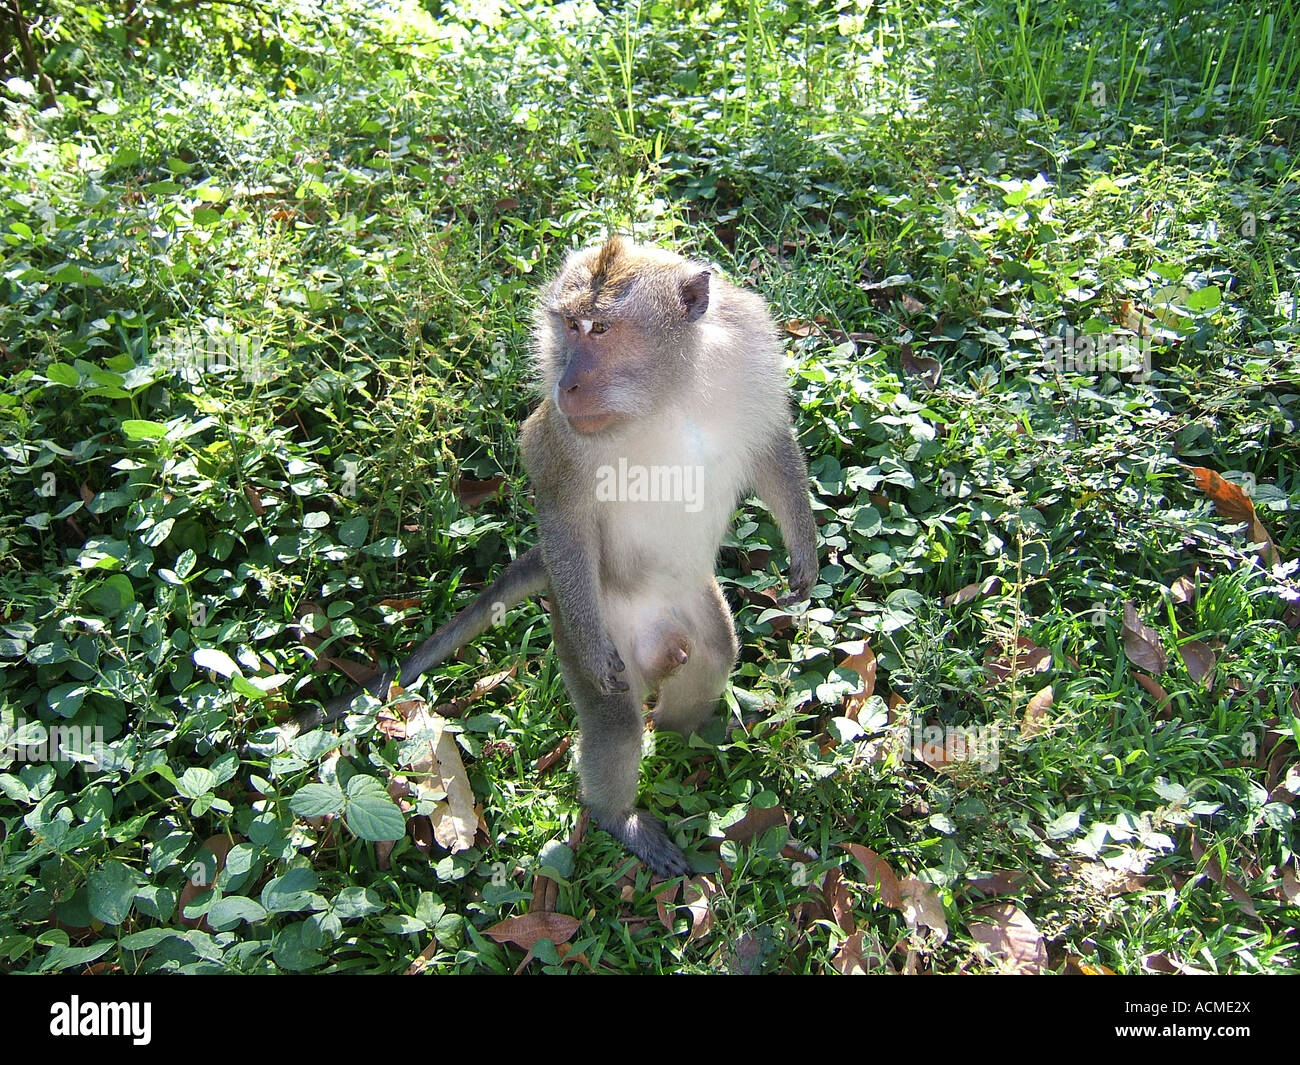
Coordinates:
(664, 506)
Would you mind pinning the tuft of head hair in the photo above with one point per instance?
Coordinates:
(599, 282)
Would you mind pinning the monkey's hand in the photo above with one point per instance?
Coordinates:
(803, 575)
(604, 666)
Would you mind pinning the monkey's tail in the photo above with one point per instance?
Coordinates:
(523, 578)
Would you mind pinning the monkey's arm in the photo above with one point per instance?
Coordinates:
(781, 481)
(570, 546)
(524, 577)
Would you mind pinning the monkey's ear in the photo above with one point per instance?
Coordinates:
(695, 294)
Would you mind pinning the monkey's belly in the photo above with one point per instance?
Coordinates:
(655, 635)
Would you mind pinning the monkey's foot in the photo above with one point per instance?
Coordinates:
(646, 837)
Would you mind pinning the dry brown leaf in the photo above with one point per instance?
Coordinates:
(879, 874)
(1156, 690)
(545, 894)
(757, 820)
(835, 890)
(1215, 872)
(849, 959)
(695, 896)
(255, 500)
(552, 756)
(422, 959)
(666, 903)
(922, 366)
(1290, 888)
(863, 663)
(1199, 660)
(798, 328)
(1160, 963)
(972, 592)
(202, 875)
(457, 707)
(473, 494)
(528, 930)
(1142, 643)
(922, 907)
(911, 304)
(438, 767)
(1028, 658)
(1036, 717)
(999, 882)
(1183, 590)
(1011, 938)
(1231, 502)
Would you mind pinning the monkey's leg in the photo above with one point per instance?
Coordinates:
(689, 697)
(609, 760)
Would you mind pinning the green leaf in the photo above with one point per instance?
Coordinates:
(370, 812)
(388, 547)
(60, 373)
(292, 892)
(67, 957)
(196, 781)
(148, 938)
(353, 531)
(317, 800)
(111, 893)
(229, 911)
(1204, 299)
(138, 429)
(354, 902)
(111, 595)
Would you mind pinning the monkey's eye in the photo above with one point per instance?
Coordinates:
(598, 327)
(571, 324)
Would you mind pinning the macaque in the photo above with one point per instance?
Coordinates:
(664, 403)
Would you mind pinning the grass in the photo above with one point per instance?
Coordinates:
(360, 204)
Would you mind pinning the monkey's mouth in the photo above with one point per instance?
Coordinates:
(589, 423)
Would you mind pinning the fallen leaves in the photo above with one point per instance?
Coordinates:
(1010, 938)
(1231, 502)
(863, 662)
(1036, 719)
(1027, 658)
(1142, 643)
(922, 366)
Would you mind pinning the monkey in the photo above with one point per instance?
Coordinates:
(663, 403)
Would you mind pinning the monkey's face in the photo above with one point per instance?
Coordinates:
(605, 371)
(612, 333)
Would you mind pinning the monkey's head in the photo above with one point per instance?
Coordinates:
(615, 331)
